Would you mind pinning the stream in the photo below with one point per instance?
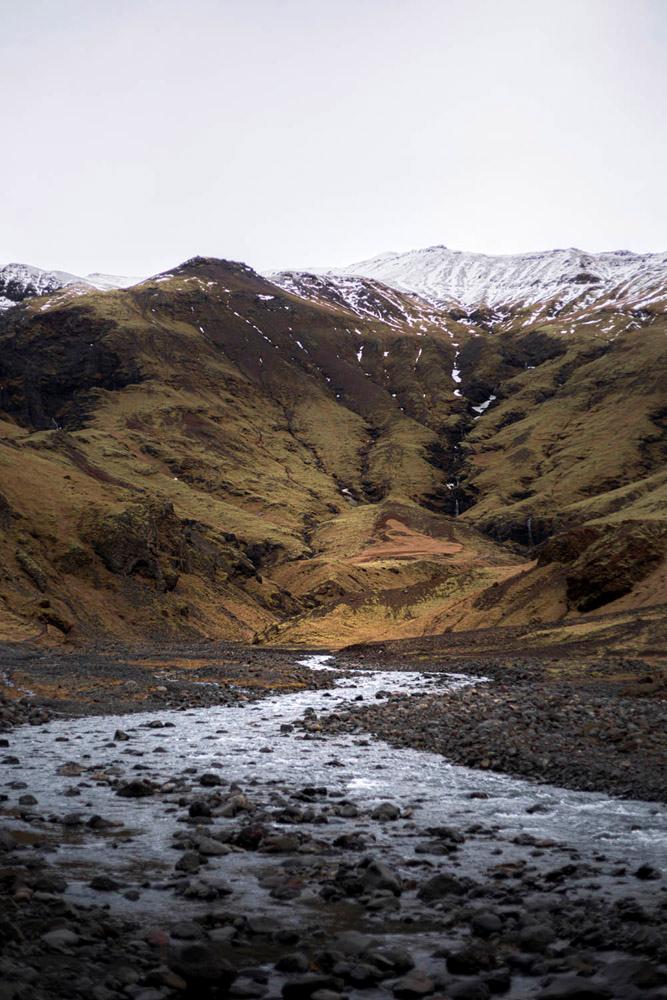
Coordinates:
(70, 767)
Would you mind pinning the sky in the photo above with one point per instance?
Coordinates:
(296, 133)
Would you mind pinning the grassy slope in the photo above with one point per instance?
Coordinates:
(207, 455)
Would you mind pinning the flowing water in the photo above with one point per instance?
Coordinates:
(246, 745)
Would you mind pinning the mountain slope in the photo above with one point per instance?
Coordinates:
(556, 281)
(321, 460)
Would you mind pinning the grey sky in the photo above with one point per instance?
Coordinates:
(137, 133)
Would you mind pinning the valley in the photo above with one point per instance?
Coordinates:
(332, 631)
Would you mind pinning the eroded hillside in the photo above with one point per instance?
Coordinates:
(321, 461)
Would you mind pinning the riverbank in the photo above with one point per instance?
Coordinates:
(38, 683)
(587, 733)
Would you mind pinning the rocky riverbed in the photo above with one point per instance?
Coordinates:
(556, 733)
(240, 850)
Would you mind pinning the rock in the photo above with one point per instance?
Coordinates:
(120, 736)
(104, 883)
(386, 811)
(248, 989)
(189, 862)
(352, 943)
(646, 873)
(471, 959)
(440, 886)
(212, 848)
(485, 924)
(378, 876)
(50, 882)
(199, 808)
(136, 789)
(305, 987)
(296, 962)
(250, 837)
(99, 823)
(415, 984)
(60, 939)
(575, 988)
(201, 965)
(209, 779)
(474, 989)
(537, 937)
(8, 841)
(185, 930)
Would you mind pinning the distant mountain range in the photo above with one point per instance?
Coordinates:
(562, 277)
(551, 282)
(22, 281)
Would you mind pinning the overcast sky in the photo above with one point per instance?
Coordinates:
(289, 133)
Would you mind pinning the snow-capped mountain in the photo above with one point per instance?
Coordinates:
(364, 297)
(23, 281)
(561, 277)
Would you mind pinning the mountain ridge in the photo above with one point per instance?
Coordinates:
(471, 280)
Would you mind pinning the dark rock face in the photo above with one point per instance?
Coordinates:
(605, 562)
(51, 369)
(147, 540)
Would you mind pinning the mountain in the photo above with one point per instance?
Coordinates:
(323, 459)
(552, 283)
(22, 281)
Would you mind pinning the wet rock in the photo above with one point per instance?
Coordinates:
(537, 937)
(471, 959)
(305, 987)
(248, 989)
(190, 862)
(136, 789)
(51, 882)
(61, 939)
(575, 988)
(186, 930)
(8, 841)
(378, 876)
(250, 837)
(296, 962)
(474, 989)
(99, 823)
(415, 984)
(212, 848)
(647, 872)
(104, 883)
(201, 966)
(210, 779)
(441, 886)
(485, 924)
(120, 736)
(199, 808)
(386, 811)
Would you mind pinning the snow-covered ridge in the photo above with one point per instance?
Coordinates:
(475, 280)
(366, 298)
(23, 281)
